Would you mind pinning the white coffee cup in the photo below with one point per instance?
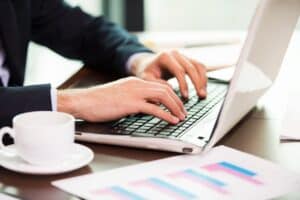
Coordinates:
(42, 137)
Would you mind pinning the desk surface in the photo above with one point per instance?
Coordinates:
(258, 134)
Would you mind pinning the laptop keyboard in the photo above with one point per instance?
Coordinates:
(149, 126)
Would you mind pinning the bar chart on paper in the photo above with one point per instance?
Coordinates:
(183, 184)
(187, 177)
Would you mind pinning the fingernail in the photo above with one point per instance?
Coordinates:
(186, 94)
(175, 120)
(185, 112)
(203, 92)
(182, 116)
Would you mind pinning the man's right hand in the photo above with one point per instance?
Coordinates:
(122, 98)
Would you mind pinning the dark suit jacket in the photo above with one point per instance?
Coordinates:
(67, 31)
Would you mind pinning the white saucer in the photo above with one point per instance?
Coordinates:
(80, 156)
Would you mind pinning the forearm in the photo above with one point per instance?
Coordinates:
(81, 103)
(68, 101)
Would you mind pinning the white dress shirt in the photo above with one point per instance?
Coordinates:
(4, 73)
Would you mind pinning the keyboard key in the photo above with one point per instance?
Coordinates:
(154, 120)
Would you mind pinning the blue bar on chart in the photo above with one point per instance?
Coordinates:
(165, 188)
(234, 170)
(117, 192)
(202, 179)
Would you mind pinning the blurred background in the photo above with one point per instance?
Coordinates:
(144, 15)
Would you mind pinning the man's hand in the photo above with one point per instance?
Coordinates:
(159, 67)
(122, 98)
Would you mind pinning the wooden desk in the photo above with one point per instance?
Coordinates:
(257, 133)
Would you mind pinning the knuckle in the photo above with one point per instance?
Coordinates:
(164, 56)
(202, 67)
(161, 93)
(170, 90)
(203, 71)
(174, 51)
(192, 69)
(133, 80)
(166, 88)
(180, 71)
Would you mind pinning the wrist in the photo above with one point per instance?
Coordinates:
(138, 62)
(66, 102)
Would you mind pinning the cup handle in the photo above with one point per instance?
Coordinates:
(3, 131)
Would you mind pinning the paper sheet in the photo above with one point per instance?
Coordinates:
(290, 129)
(215, 57)
(222, 173)
(170, 40)
(225, 74)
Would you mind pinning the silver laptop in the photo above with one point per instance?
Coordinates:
(226, 104)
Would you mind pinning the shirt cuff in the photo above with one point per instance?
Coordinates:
(53, 94)
(131, 59)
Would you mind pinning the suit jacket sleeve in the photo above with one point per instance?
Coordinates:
(15, 100)
(75, 34)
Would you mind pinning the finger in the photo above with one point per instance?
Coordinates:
(168, 91)
(178, 101)
(156, 111)
(203, 78)
(153, 79)
(192, 72)
(202, 73)
(166, 99)
(175, 68)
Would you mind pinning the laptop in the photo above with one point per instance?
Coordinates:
(227, 102)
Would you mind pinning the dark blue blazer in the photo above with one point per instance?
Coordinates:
(67, 31)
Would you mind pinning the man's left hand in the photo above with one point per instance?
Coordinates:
(159, 67)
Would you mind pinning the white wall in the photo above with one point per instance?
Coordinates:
(169, 15)
(93, 7)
